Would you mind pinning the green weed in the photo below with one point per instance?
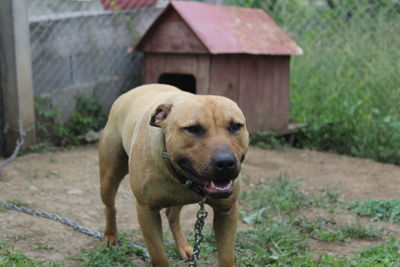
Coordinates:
(273, 238)
(18, 203)
(345, 85)
(282, 196)
(267, 140)
(88, 115)
(386, 254)
(359, 231)
(11, 257)
(277, 237)
(380, 210)
(119, 256)
(327, 229)
(270, 243)
(329, 200)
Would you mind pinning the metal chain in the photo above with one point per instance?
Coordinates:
(198, 235)
(19, 143)
(67, 222)
(198, 227)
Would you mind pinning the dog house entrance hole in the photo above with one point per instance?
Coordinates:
(185, 82)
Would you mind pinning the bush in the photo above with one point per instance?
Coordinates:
(346, 85)
(88, 115)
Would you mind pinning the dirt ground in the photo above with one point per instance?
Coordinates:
(66, 183)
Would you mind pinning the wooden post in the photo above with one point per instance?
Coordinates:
(16, 71)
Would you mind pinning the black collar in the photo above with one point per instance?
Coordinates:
(196, 187)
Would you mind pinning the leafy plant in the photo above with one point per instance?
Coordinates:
(328, 200)
(46, 119)
(266, 140)
(345, 85)
(282, 196)
(386, 254)
(380, 210)
(88, 115)
(119, 256)
(327, 229)
(268, 244)
(11, 257)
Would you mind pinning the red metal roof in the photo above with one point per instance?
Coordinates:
(228, 29)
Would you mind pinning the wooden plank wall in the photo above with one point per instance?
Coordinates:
(224, 76)
(170, 34)
(264, 92)
(156, 64)
(259, 84)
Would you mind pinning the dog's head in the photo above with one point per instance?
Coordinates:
(207, 140)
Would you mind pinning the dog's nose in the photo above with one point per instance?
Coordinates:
(225, 165)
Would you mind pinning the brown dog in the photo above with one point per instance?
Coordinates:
(204, 139)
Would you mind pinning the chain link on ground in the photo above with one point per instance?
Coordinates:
(67, 222)
(198, 228)
(18, 145)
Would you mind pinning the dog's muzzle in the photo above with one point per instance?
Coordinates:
(218, 186)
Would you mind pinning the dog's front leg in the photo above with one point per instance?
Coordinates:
(225, 224)
(150, 224)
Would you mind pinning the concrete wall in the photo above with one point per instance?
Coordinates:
(78, 47)
(90, 53)
(51, 7)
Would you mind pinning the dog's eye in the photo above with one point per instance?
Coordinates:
(195, 130)
(234, 127)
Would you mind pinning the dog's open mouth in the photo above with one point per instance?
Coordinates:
(221, 188)
(214, 189)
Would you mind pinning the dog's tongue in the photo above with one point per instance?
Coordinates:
(224, 186)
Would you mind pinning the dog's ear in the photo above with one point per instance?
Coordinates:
(160, 114)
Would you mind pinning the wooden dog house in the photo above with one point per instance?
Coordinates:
(239, 53)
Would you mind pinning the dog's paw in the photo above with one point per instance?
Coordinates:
(185, 252)
(110, 240)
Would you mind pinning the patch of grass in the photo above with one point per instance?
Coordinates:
(282, 197)
(268, 244)
(359, 231)
(119, 256)
(9, 256)
(327, 229)
(341, 83)
(42, 147)
(380, 210)
(329, 200)
(18, 203)
(273, 237)
(278, 237)
(345, 85)
(386, 254)
(42, 246)
(322, 228)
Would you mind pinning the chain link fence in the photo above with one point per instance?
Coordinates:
(351, 60)
(351, 53)
(346, 86)
(81, 47)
